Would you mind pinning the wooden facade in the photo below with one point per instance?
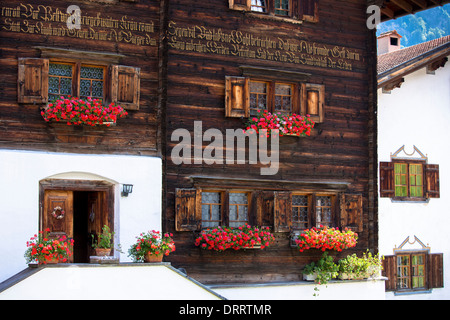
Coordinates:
(113, 35)
(169, 64)
(323, 44)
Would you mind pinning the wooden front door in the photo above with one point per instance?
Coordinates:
(58, 214)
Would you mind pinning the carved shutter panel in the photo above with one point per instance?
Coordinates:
(125, 86)
(282, 211)
(352, 212)
(313, 101)
(308, 10)
(32, 86)
(390, 272)
(432, 180)
(187, 210)
(237, 97)
(435, 269)
(387, 189)
(243, 5)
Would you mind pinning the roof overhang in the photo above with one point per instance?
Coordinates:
(393, 9)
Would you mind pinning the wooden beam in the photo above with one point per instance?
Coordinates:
(388, 12)
(404, 5)
(420, 3)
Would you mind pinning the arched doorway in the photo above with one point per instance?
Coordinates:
(77, 209)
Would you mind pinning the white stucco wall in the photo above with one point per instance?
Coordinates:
(418, 114)
(21, 171)
(333, 290)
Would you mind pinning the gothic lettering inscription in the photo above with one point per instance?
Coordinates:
(241, 44)
(50, 21)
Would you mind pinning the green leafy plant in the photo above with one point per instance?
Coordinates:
(104, 239)
(354, 267)
(325, 269)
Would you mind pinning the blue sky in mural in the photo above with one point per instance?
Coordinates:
(420, 27)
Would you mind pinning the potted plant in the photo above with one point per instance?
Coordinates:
(287, 125)
(243, 237)
(103, 244)
(321, 271)
(325, 238)
(44, 250)
(76, 111)
(151, 246)
(352, 267)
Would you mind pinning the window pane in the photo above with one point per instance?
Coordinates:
(300, 211)
(283, 98)
(415, 180)
(211, 209)
(238, 209)
(401, 181)
(259, 5)
(323, 211)
(59, 80)
(91, 82)
(282, 7)
(258, 96)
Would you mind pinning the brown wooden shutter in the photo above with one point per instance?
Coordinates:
(125, 86)
(243, 5)
(351, 206)
(282, 211)
(308, 10)
(387, 189)
(432, 180)
(390, 272)
(435, 265)
(32, 85)
(187, 210)
(262, 208)
(237, 97)
(313, 101)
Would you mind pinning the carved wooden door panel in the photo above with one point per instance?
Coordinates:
(58, 214)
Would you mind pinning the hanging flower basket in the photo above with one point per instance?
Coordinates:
(324, 238)
(287, 125)
(76, 111)
(244, 237)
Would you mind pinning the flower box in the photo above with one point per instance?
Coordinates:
(324, 238)
(243, 237)
(285, 125)
(76, 111)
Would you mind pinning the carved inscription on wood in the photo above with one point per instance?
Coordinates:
(51, 21)
(246, 45)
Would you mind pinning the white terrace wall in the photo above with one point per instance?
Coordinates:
(21, 171)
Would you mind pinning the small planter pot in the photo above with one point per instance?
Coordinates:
(151, 258)
(52, 261)
(310, 277)
(102, 252)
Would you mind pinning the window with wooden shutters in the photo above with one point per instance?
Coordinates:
(32, 84)
(413, 271)
(245, 96)
(409, 180)
(313, 210)
(125, 86)
(296, 9)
